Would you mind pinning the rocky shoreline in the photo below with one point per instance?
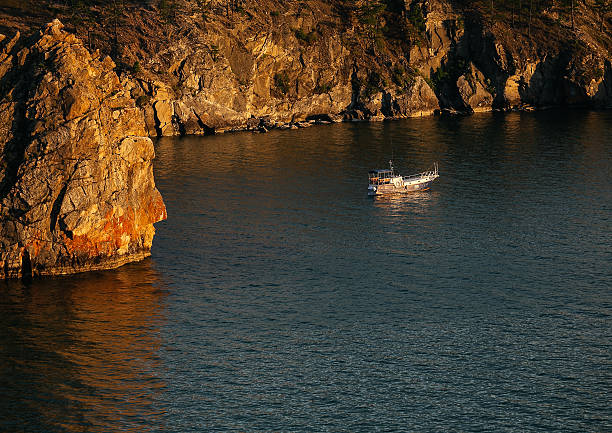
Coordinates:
(231, 75)
(264, 125)
(76, 183)
(201, 70)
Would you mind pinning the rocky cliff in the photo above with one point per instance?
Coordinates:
(199, 67)
(76, 184)
(76, 181)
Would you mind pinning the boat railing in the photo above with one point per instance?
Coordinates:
(430, 173)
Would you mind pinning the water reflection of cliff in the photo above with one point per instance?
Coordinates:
(81, 354)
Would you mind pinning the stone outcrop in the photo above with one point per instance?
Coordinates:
(221, 75)
(202, 68)
(76, 180)
(564, 67)
(317, 60)
(472, 87)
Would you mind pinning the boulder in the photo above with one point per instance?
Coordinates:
(473, 92)
(164, 111)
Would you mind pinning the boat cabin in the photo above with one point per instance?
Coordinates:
(386, 181)
(380, 177)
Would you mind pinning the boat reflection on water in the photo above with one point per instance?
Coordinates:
(416, 203)
(82, 353)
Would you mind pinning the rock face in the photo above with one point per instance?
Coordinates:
(200, 67)
(282, 65)
(76, 187)
(290, 62)
(76, 181)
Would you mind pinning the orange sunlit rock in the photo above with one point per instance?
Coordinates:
(76, 181)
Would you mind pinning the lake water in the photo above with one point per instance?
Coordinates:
(279, 297)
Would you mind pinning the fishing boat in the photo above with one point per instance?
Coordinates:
(386, 181)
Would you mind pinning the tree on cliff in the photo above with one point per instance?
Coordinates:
(514, 10)
(81, 14)
(416, 18)
(602, 7)
(167, 9)
(569, 5)
(115, 10)
(370, 17)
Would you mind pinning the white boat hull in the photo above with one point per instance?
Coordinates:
(386, 181)
(401, 188)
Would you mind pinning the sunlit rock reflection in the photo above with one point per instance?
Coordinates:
(81, 354)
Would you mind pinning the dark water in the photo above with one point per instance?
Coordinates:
(280, 298)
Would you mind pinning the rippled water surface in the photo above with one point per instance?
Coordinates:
(279, 297)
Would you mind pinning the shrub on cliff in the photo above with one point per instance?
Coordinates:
(281, 83)
(373, 84)
(143, 101)
(371, 16)
(402, 77)
(309, 37)
(416, 18)
(322, 88)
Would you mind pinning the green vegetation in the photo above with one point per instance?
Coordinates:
(524, 14)
(323, 88)
(373, 84)
(370, 16)
(416, 18)
(281, 82)
(437, 77)
(309, 37)
(403, 78)
(430, 83)
(143, 101)
(451, 71)
(388, 30)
